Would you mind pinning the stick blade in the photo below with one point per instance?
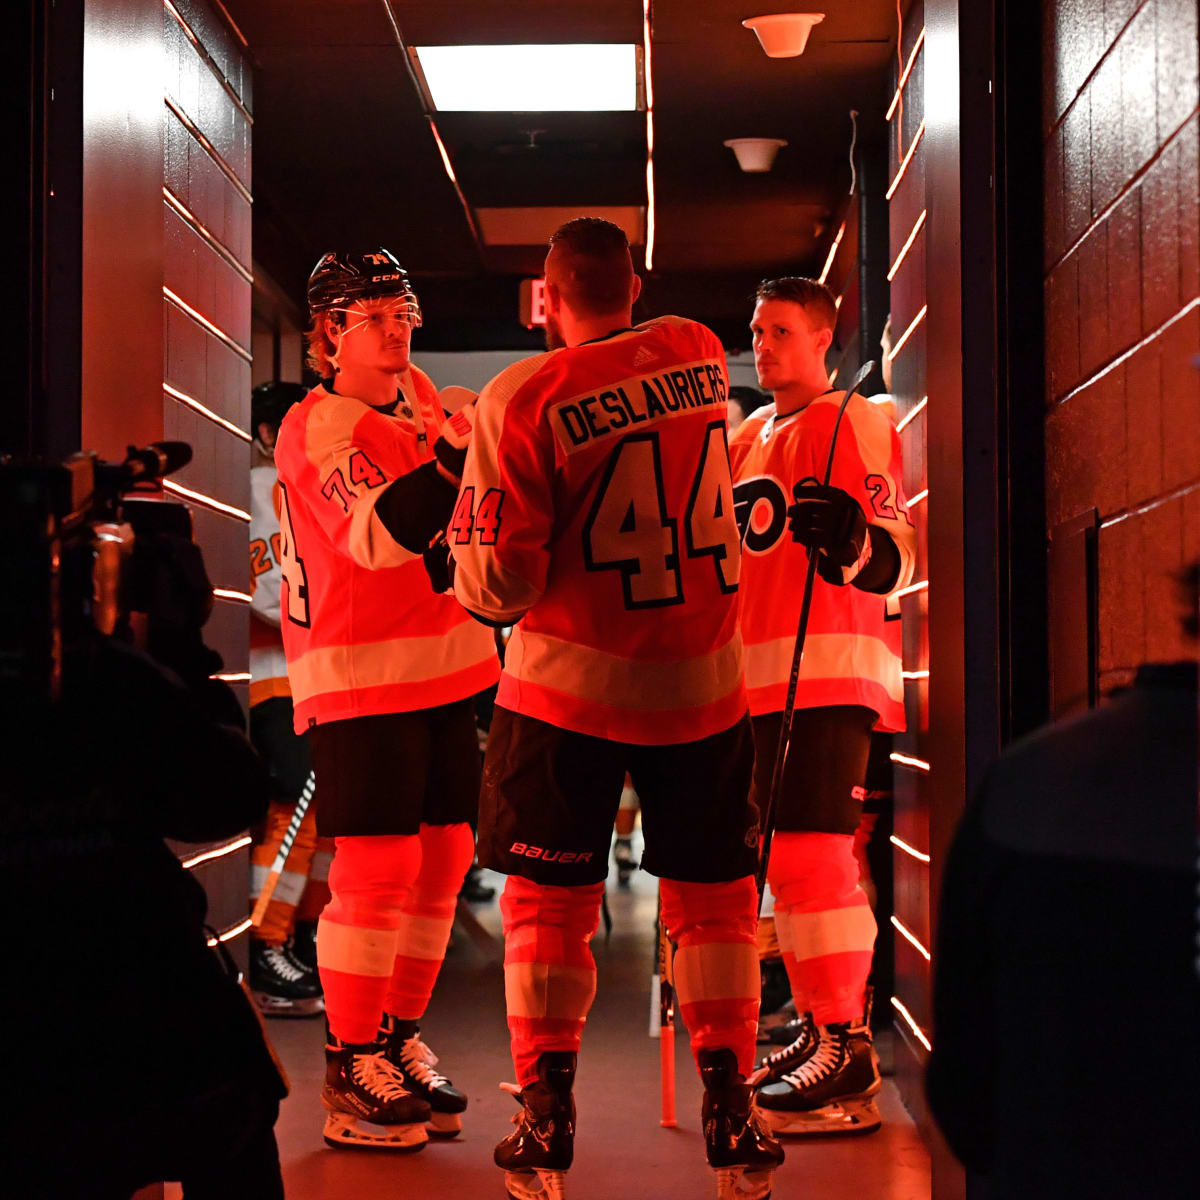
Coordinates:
(860, 375)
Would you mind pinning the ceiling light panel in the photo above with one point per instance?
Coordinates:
(588, 77)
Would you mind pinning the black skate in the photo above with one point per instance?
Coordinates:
(831, 1090)
(535, 1158)
(785, 1035)
(781, 1062)
(739, 1149)
(367, 1101)
(415, 1062)
(281, 985)
(302, 945)
(625, 862)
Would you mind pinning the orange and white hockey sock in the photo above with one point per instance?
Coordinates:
(276, 926)
(825, 924)
(549, 972)
(370, 879)
(446, 853)
(316, 891)
(716, 963)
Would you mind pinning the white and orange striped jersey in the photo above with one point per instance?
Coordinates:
(596, 514)
(363, 631)
(268, 664)
(852, 653)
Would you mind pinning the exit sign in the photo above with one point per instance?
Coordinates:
(533, 302)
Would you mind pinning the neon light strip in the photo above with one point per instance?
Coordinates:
(178, 489)
(232, 676)
(211, 238)
(203, 320)
(908, 333)
(919, 498)
(437, 137)
(209, 148)
(907, 159)
(912, 237)
(648, 69)
(218, 852)
(192, 402)
(837, 241)
(837, 304)
(833, 376)
(908, 935)
(912, 60)
(901, 844)
(911, 415)
(908, 1020)
(906, 760)
(241, 37)
(923, 586)
(232, 932)
(903, 674)
(209, 61)
(230, 594)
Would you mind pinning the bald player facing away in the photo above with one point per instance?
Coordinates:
(596, 516)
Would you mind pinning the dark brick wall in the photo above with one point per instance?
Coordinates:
(1122, 289)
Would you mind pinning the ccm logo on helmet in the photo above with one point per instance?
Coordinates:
(562, 856)
(384, 278)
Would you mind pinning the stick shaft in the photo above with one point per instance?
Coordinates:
(285, 849)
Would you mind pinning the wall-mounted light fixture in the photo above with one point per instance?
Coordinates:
(783, 35)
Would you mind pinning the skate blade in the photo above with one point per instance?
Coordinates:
(343, 1129)
(837, 1119)
(741, 1183)
(538, 1184)
(271, 1006)
(444, 1125)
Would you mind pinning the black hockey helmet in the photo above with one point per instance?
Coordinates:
(269, 402)
(341, 277)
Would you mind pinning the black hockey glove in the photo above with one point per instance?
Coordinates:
(439, 565)
(450, 448)
(830, 522)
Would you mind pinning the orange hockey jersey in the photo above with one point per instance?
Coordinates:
(852, 653)
(596, 514)
(363, 631)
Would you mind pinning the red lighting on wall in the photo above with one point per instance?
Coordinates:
(910, 1021)
(908, 935)
(911, 851)
(912, 59)
(907, 159)
(216, 852)
(186, 493)
(232, 594)
(912, 237)
(911, 416)
(648, 70)
(907, 760)
(837, 241)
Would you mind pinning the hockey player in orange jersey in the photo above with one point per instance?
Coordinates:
(596, 516)
(849, 684)
(382, 671)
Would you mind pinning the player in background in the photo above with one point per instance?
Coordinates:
(382, 672)
(596, 516)
(283, 975)
(849, 685)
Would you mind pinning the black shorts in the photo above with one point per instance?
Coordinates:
(285, 752)
(826, 767)
(385, 775)
(550, 798)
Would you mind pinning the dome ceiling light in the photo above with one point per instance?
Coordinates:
(784, 35)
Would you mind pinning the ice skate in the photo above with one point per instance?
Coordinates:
(739, 1149)
(301, 947)
(367, 1101)
(785, 1035)
(416, 1062)
(830, 1091)
(535, 1158)
(780, 1062)
(625, 862)
(282, 986)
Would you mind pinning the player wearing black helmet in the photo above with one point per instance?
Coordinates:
(382, 671)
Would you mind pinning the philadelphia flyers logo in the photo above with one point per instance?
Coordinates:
(760, 506)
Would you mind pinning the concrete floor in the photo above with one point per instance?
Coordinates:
(620, 1148)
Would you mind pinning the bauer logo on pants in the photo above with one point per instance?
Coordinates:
(560, 856)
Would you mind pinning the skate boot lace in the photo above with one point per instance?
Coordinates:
(376, 1075)
(822, 1062)
(790, 1049)
(419, 1061)
(281, 964)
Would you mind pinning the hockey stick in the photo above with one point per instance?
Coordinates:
(666, 1022)
(789, 708)
(285, 848)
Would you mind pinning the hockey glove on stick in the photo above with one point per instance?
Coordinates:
(439, 565)
(830, 523)
(450, 449)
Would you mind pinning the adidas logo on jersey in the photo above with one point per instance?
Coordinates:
(644, 356)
